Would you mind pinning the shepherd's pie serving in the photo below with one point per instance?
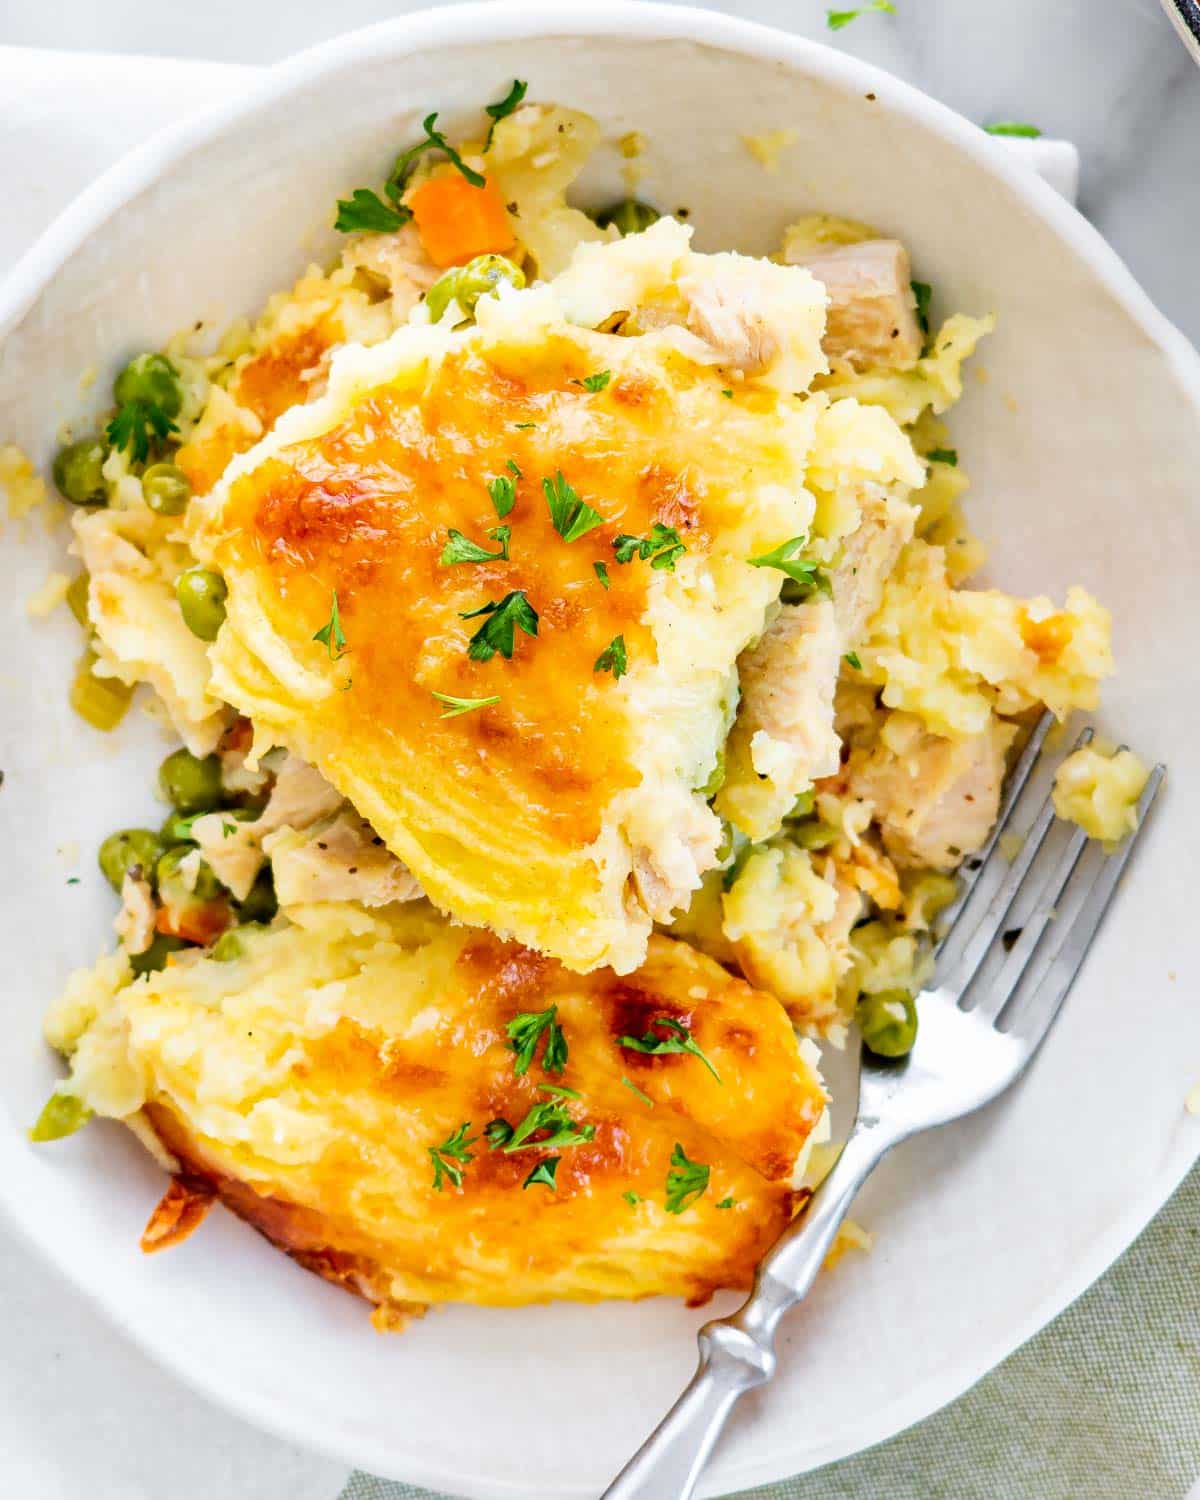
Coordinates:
(581, 708)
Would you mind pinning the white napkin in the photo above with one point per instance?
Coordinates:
(80, 1411)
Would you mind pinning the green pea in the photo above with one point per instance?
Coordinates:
(61, 1116)
(803, 805)
(630, 216)
(189, 784)
(717, 777)
(166, 489)
(130, 849)
(812, 834)
(888, 1022)
(260, 904)
(201, 594)
(155, 956)
(172, 886)
(151, 378)
(227, 947)
(466, 284)
(77, 598)
(77, 472)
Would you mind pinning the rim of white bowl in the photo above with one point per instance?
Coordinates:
(520, 20)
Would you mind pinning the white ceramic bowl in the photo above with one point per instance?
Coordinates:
(1081, 429)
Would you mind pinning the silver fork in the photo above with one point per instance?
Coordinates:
(1017, 937)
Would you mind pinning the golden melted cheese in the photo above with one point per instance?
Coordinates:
(307, 1080)
(575, 787)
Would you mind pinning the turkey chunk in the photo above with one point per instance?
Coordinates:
(872, 315)
(935, 799)
(340, 859)
(868, 555)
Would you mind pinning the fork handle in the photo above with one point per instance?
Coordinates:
(738, 1353)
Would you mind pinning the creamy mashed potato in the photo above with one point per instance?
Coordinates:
(517, 585)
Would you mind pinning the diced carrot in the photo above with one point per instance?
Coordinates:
(457, 221)
(196, 924)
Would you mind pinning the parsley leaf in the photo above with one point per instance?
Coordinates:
(461, 549)
(662, 547)
(544, 1173)
(727, 393)
(851, 658)
(594, 382)
(612, 658)
(366, 212)
(503, 107)
(454, 1149)
(331, 635)
(726, 1203)
(136, 425)
(680, 1040)
(434, 141)
(922, 295)
(572, 517)
(943, 456)
(799, 569)
(547, 1115)
(498, 1134)
(632, 1198)
(503, 493)
(633, 1089)
(456, 706)
(836, 19)
(602, 574)
(558, 1091)
(1014, 127)
(686, 1181)
(525, 1031)
(497, 632)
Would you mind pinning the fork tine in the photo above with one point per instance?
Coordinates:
(1050, 978)
(1013, 787)
(970, 940)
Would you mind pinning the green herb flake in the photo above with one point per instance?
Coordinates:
(922, 296)
(686, 1181)
(596, 382)
(451, 1156)
(727, 393)
(544, 1173)
(461, 549)
(497, 633)
(365, 212)
(601, 570)
(802, 571)
(633, 1089)
(434, 141)
(632, 1198)
(331, 635)
(558, 1091)
(525, 1031)
(678, 1039)
(1016, 128)
(61, 1116)
(836, 19)
(136, 426)
(943, 456)
(851, 659)
(498, 1134)
(572, 517)
(612, 658)
(503, 494)
(524, 426)
(661, 547)
(549, 1116)
(456, 706)
(503, 108)
(726, 1203)
(72, 879)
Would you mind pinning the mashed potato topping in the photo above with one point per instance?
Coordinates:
(578, 696)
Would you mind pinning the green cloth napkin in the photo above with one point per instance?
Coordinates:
(1104, 1404)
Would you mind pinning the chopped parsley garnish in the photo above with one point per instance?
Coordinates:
(572, 517)
(331, 635)
(544, 1173)
(525, 1031)
(851, 659)
(366, 212)
(503, 493)
(461, 549)
(594, 382)
(434, 141)
(558, 1091)
(726, 1203)
(922, 295)
(503, 108)
(800, 570)
(633, 1089)
(456, 706)
(943, 456)
(228, 830)
(678, 1040)
(72, 879)
(686, 1181)
(602, 574)
(136, 426)
(524, 426)
(497, 632)
(612, 658)
(547, 1115)
(498, 1134)
(632, 1198)
(727, 393)
(836, 19)
(661, 547)
(1014, 127)
(446, 1158)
